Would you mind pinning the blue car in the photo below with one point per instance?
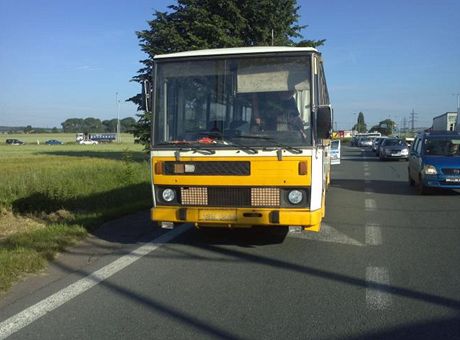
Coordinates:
(434, 161)
(53, 142)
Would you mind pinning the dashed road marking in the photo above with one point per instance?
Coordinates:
(31, 314)
(373, 234)
(377, 297)
(370, 204)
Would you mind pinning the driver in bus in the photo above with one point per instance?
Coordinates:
(281, 113)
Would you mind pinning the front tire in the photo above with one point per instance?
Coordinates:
(411, 181)
(422, 189)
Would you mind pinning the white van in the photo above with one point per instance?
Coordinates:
(335, 152)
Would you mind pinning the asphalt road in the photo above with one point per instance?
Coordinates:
(386, 265)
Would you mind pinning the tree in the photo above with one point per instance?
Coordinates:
(360, 125)
(202, 24)
(110, 125)
(385, 127)
(92, 125)
(127, 124)
(73, 125)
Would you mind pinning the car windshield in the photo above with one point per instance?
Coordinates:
(442, 147)
(258, 101)
(394, 142)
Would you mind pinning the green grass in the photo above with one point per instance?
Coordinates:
(68, 189)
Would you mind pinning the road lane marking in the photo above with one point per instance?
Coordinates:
(33, 313)
(373, 234)
(368, 191)
(370, 204)
(366, 164)
(367, 174)
(326, 234)
(377, 298)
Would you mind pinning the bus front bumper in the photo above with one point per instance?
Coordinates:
(238, 217)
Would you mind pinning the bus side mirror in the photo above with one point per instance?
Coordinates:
(324, 122)
(146, 104)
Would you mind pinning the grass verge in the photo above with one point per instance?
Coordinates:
(51, 197)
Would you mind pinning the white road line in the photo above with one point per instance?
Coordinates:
(373, 234)
(377, 298)
(366, 164)
(367, 173)
(31, 314)
(370, 204)
(368, 191)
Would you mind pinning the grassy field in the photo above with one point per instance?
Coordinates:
(52, 195)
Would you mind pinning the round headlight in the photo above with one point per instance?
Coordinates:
(168, 195)
(295, 196)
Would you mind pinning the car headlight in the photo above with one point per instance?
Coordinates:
(429, 170)
(404, 152)
(168, 195)
(295, 196)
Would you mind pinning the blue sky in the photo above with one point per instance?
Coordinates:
(64, 59)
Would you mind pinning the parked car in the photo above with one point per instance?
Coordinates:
(13, 141)
(53, 142)
(88, 142)
(393, 148)
(434, 161)
(335, 152)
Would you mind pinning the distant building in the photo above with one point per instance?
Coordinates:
(445, 122)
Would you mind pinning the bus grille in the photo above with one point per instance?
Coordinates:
(229, 168)
(230, 197)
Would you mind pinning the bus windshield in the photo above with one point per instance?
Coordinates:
(257, 101)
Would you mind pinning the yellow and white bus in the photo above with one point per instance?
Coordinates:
(239, 137)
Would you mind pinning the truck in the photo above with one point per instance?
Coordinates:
(96, 137)
(445, 122)
(240, 137)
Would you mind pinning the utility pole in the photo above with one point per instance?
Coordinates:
(118, 117)
(412, 121)
(458, 103)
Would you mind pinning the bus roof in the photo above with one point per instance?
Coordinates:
(235, 50)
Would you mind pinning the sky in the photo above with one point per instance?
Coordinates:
(75, 59)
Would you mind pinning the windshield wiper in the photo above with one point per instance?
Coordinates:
(246, 148)
(196, 148)
(291, 149)
(223, 141)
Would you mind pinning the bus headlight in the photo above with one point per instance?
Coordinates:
(295, 196)
(168, 195)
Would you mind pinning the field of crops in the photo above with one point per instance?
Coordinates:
(51, 195)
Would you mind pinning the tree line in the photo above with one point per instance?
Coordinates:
(90, 124)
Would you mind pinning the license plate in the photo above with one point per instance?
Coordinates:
(214, 215)
(453, 180)
(396, 154)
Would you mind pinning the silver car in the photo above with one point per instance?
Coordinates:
(393, 148)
